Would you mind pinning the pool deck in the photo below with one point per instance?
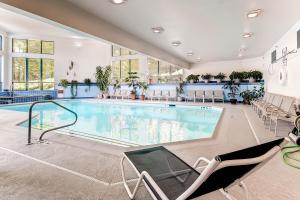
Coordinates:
(75, 168)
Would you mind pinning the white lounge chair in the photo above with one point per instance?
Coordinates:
(165, 94)
(219, 95)
(208, 94)
(167, 177)
(190, 96)
(157, 94)
(173, 94)
(200, 95)
(150, 94)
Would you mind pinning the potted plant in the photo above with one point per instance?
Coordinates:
(206, 77)
(244, 76)
(64, 83)
(180, 91)
(192, 78)
(233, 88)
(74, 88)
(88, 82)
(248, 96)
(144, 87)
(116, 85)
(235, 76)
(132, 82)
(255, 76)
(220, 77)
(102, 76)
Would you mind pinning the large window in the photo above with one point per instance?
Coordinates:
(48, 47)
(163, 72)
(33, 46)
(19, 46)
(33, 73)
(119, 51)
(120, 68)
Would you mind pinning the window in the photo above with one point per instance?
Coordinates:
(134, 65)
(19, 73)
(48, 74)
(152, 67)
(120, 68)
(124, 68)
(48, 47)
(125, 52)
(34, 46)
(19, 46)
(33, 74)
(1, 46)
(116, 51)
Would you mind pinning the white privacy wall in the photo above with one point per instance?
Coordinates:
(291, 87)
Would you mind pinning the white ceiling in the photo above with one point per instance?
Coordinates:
(19, 24)
(210, 28)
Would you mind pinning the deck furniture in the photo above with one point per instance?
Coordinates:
(165, 94)
(173, 95)
(219, 95)
(157, 95)
(283, 113)
(268, 109)
(200, 95)
(166, 176)
(150, 94)
(209, 95)
(190, 96)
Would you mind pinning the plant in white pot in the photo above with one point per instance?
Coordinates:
(255, 76)
(220, 77)
(206, 77)
(103, 80)
(143, 86)
(132, 81)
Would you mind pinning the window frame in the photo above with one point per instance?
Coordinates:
(42, 53)
(27, 82)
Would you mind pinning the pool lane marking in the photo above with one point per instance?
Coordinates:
(251, 127)
(56, 166)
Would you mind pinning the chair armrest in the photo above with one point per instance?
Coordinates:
(199, 160)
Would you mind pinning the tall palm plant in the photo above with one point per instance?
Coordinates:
(103, 78)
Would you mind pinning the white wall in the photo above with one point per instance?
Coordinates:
(228, 66)
(291, 87)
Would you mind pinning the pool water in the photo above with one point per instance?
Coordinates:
(127, 123)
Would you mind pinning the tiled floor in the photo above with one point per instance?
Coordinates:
(75, 168)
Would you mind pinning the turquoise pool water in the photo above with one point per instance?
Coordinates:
(127, 123)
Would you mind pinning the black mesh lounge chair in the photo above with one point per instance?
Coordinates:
(168, 177)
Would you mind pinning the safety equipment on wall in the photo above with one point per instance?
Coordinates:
(282, 75)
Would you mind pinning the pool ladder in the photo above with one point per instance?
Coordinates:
(52, 129)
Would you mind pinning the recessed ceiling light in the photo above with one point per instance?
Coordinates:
(176, 43)
(158, 29)
(240, 54)
(247, 35)
(190, 53)
(118, 2)
(198, 59)
(254, 13)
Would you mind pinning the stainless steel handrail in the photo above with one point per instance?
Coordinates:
(52, 129)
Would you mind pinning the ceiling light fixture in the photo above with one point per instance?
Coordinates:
(176, 43)
(190, 53)
(158, 29)
(118, 2)
(254, 13)
(198, 59)
(247, 35)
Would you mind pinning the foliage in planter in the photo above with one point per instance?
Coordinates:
(74, 88)
(221, 76)
(117, 85)
(179, 88)
(233, 88)
(250, 95)
(144, 86)
(193, 78)
(64, 83)
(88, 82)
(256, 75)
(206, 76)
(132, 81)
(238, 75)
(103, 78)
(244, 75)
